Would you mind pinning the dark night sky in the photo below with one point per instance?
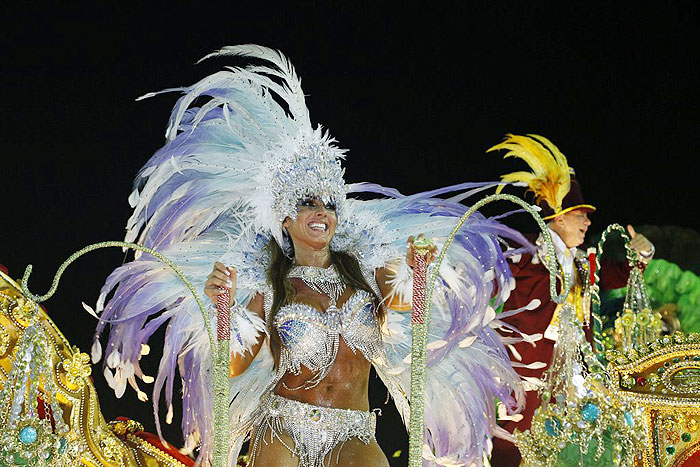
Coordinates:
(416, 93)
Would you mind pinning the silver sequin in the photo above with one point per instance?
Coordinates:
(315, 430)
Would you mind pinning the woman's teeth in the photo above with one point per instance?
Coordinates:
(318, 226)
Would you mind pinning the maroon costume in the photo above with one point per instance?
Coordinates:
(556, 192)
(532, 282)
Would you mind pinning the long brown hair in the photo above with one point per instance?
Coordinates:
(283, 292)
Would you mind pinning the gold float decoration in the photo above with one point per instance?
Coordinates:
(663, 378)
(4, 340)
(87, 439)
(77, 368)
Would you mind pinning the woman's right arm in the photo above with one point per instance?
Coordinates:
(220, 279)
(240, 363)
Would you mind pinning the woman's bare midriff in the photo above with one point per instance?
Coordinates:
(344, 387)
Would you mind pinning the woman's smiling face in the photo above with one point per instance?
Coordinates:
(315, 223)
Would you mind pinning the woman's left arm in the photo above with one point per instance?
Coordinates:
(383, 276)
(386, 276)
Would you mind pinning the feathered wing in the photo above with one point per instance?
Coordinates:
(290, 88)
(550, 178)
(468, 366)
(197, 201)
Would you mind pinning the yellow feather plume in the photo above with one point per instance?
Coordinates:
(550, 179)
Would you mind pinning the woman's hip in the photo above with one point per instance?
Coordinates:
(288, 431)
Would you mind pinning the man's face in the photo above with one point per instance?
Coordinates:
(572, 227)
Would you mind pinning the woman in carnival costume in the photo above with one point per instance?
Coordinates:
(245, 181)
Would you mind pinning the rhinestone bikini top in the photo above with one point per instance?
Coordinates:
(311, 337)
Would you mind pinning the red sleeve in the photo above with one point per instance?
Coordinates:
(613, 275)
(531, 282)
(154, 440)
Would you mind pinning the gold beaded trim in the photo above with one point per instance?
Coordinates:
(656, 357)
(688, 452)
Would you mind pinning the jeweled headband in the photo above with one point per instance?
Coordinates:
(312, 169)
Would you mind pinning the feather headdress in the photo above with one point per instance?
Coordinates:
(254, 123)
(550, 179)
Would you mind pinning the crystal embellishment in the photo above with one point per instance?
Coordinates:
(311, 337)
(28, 435)
(323, 281)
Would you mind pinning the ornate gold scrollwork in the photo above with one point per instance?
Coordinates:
(92, 442)
(664, 378)
(77, 368)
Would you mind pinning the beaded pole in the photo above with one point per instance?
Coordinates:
(420, 330)
(219, 348)
(221, 420)
(636, 299)
(421, 250)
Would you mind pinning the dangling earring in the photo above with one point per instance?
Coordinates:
(287, 247)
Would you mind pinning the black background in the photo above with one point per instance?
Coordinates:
(417, 92)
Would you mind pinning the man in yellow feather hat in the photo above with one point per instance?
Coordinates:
(558, 194)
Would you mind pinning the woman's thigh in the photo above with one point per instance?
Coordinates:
(271, 451)
(352, 453)
(355, 453)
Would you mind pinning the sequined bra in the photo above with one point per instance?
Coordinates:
(311, 337)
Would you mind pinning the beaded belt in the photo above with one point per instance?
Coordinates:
(315, 430)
